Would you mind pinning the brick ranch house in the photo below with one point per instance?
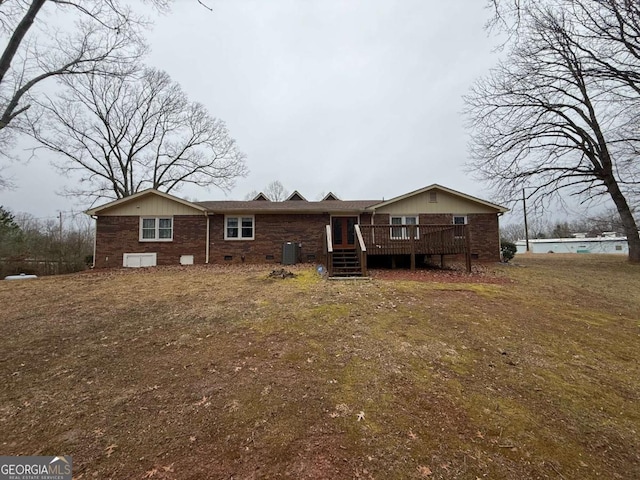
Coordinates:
(154, 228)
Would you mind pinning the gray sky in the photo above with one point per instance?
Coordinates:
(361, 98)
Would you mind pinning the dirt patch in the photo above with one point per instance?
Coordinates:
(282, 273)
(479, 274)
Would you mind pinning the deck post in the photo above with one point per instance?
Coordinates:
(467, 248)
(412, 239)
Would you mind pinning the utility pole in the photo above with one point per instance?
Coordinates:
(60, 239)
(526, 226)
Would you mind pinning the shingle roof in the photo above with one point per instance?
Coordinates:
(332, 206)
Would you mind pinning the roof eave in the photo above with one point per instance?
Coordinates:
(498, 208)
(150, 191)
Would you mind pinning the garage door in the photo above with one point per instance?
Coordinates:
(139, 260)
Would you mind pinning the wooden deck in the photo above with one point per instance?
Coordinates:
(412, 240)
(416, 239)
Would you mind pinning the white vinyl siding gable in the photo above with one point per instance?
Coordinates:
(156, 229)
(240, 227)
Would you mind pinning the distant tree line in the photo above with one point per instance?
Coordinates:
(44, 247)
(544, 228)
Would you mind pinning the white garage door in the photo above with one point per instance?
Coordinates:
(139, 260)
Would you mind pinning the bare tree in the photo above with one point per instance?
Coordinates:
(49, 39)
(561, 113)
(276, 191)
(38, 48)
(127, 133)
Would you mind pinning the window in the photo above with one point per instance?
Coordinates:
(155, 229)
(402, 233)
(459, 220)
(239, 228)
(433, 197)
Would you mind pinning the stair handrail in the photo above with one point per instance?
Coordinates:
(363, 247)
(329, 239)
(362, 250)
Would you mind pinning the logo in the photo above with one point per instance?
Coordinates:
(35, 468)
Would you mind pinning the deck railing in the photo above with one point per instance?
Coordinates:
(417, 240)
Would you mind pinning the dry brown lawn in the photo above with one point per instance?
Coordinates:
(516, 372)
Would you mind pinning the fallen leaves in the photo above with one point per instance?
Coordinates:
(341, 410)
(232, 406)
(424, 471)
(202, 402)
(110, 449)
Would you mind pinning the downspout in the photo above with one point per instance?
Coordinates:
(373, 230)
(206, 260)
(95, 240)
(500, 237)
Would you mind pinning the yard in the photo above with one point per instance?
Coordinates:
(515, 372)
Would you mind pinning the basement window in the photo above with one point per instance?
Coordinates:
(156, 229)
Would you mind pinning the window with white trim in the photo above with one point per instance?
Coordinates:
(402, 232)
(459, 220)
(239, 227)
(156, 229)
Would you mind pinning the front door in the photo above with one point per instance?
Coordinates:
(343, 232)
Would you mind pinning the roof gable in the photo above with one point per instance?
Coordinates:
(431, 194)
(261, 197)
(296, 197)
(330, 196)
(148, 202)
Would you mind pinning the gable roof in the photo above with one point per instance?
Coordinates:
(435, 186)
(296, 203)
(296, 196)
(261, 197)
(139, 195)
(330, 196)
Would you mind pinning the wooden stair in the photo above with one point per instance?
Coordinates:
(346, 263)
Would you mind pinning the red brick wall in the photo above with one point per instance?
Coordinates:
(271, 232)
(118, 235)
(485, 236)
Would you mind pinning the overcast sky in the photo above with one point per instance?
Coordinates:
(358, 97)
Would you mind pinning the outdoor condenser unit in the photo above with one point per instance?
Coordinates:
(290, 253)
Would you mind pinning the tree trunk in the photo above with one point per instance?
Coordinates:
(628, 222)
(16, 39)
